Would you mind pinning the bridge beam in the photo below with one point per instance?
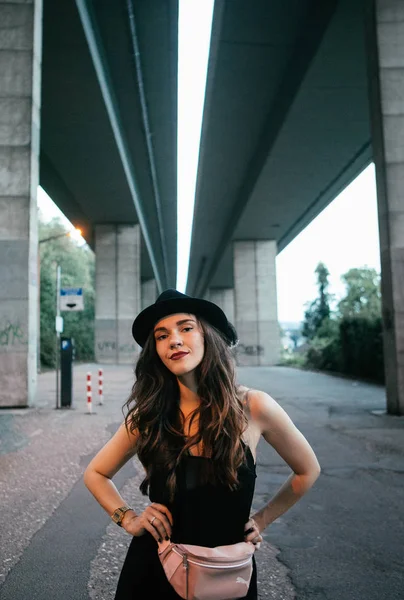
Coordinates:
(386, 80)
(97, 50)
(20, 102)
(255, 300)
(118, 292)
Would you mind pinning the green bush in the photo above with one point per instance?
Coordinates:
(324, 354)
(355, 348)
(292, 359)
(362, 347)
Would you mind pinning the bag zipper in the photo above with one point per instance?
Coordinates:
(186, 566)
(186, 560)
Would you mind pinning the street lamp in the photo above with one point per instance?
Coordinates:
(75, 231)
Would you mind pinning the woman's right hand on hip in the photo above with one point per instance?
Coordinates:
(156, 519)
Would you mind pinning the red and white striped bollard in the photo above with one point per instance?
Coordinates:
(100, 387)
(89, 394)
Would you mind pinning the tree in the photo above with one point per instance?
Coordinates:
(295, 335)
(318, 312)
(78, 266)
(363, 294)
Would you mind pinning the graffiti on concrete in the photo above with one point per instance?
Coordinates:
(11, 334)
(127, 348)
(108, 346)
(255, 350)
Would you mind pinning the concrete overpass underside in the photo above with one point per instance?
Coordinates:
(109, 120)
(88, 109)
(109, 148)
(300, 97)
(286, 125)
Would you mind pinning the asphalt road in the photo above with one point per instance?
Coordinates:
(56, 564)
(343, 541)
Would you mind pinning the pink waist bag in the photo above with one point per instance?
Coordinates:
(201, 573)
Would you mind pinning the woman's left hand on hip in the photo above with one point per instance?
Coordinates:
(252, 533)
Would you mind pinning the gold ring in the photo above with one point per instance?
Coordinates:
(151, 522)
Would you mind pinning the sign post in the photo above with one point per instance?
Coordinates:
(59, 329)
(67, 299)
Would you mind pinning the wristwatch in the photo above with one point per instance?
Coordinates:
(119, 514)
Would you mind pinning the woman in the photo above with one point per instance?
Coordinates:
(196, 432)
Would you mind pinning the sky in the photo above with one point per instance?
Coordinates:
(194, 28)
(343, 236)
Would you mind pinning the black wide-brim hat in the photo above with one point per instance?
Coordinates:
(171, 302)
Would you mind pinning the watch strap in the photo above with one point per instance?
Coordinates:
(119, 514)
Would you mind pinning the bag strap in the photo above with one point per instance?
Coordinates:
(163, 546)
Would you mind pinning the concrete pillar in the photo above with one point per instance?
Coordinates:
(385, 21)
(148, 292)
(20, 101)
(223, 297)
(255, 302)
(117, 289)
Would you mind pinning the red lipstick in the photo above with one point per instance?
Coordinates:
(178, 355)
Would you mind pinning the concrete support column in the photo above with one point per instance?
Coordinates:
(148, 292)
(255, 303)
(386, 83)
(117, 289)
(20, 100)
(223, 297)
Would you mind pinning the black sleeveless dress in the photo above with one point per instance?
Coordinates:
(203, 514)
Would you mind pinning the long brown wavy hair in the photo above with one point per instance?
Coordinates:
(153, 409)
